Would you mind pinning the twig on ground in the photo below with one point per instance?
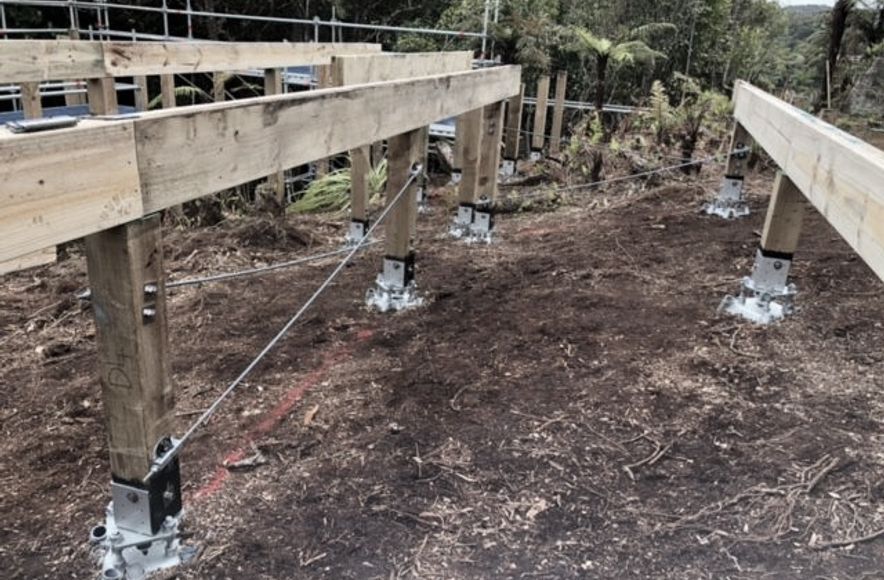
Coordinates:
(849, 541)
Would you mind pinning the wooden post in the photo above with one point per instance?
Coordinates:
(218, 91)
(167, 91)
(468, 188)
(128, 298)
(273, 86)
(102, 96)
(142, 96)
(514, 126)
(360, 168)
(782, 226)
(489, 164)
(404, 152)
(737, 165)
(127, 279)
(74, 99)
(731, 200)
(555, 139)
(540, 114)
(324, 80)
(31, 104)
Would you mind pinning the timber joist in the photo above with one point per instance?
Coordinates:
(62, 185)
(839, 174)
(42, 60)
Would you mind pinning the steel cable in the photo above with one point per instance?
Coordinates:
(177, 444)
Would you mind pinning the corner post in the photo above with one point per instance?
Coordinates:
(129, 301)
(128, 293)
(395, 288)
(767, 294)
(731, 200)
(540, 114)
(555, 138)
(513, 133)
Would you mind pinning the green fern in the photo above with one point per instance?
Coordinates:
(661, 111)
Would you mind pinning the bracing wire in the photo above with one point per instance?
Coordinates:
(166, 458)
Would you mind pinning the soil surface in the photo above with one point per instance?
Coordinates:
(567, 404)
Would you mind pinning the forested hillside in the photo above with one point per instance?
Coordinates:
(712, 41)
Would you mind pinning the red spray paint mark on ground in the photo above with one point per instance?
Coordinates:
(274, 416)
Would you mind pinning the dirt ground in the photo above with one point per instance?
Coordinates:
(568, 404)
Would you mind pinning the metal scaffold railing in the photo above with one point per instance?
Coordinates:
(102, 22)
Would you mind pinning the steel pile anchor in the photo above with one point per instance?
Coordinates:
(141, 533)
(766, 296)
(474, 223)
(356, 232)
(395, 288)
(508, 168)
(731, 201)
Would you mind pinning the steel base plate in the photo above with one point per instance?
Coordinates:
(456, 177)
(386, 297)
(127, 555)
(507, 168)
(760, 306)
(536, 156)
(727, 210)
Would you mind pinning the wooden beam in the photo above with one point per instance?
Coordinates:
(555, 138)
(40, 60)
(32, 108)
(514, 125)
(540, 114)
(32, 260)
(837, 172)
(468, 188)
(489, 165)
(62, 185)
(215, 147)
(58, 187)
(137, 392)
(372, 68)
(404, 152)
(782, 226)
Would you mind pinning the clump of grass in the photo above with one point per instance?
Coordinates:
(331, 193)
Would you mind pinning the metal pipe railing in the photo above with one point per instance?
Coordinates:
(188, 12)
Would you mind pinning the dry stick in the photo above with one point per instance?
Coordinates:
(849, 541)
(651, 459)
